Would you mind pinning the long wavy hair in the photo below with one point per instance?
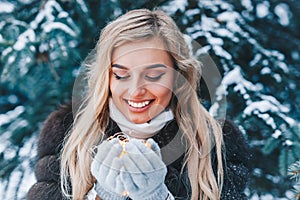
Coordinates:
(202, 132)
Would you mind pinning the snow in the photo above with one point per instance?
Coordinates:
(50, 6)
(283, 66)
(12, 99)
(9, 154)
(83, 6)
(222, 32)
(26, 1)
(267, 119)
(288, 119)
(235, 28)
(277, 134)
(265, 70)
(222, 52)
(46, 19)
(203, 50)
(277, 78)
(26, 37)
(5, 141)
(6, 51)
(192, 12)
(32, 48)
(11, 115)
(60, 26)
(262, 9)
(247, 4)
(210, 4)
(6, 7)
(289, 142)
(261, 108)
(215, 41)
(265, 105)
(208, 24)
(228, 16)
(274, 101)
(295, 55)
(43, 47)
(226, 6)
(63, 14)
(235, 77)
(11, 59)
(283, 13)
(256, 59)
(22, 178)
(172, 6)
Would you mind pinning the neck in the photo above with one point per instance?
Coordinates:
(140, 131)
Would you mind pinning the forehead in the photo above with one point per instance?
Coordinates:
(144, 52)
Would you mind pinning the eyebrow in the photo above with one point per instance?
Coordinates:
(148, 67)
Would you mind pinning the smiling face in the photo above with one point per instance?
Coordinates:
(141, 79)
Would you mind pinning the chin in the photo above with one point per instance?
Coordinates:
(139, 120)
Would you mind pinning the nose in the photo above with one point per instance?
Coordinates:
(136, 88)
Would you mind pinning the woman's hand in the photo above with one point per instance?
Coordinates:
(106, 169)
(144, 171)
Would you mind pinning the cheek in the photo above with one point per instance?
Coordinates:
(164, 90)
(115, 88)
(163, 93)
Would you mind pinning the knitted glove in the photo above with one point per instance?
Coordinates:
(144, 172)
(106, 169)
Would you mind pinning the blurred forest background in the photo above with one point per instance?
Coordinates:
(253, 43)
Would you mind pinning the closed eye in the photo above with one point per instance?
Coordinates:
(154, 78)
(118, 77)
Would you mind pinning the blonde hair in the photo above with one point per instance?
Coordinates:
(203, 133)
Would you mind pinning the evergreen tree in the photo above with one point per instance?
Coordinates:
(253, 44)
(294, 172)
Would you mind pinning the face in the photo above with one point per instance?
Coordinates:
(141, 79)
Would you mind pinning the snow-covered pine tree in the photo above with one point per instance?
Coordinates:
(294, 172)
(38, 45)
(253, 43)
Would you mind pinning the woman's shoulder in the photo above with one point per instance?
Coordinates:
(49, 144)
(238, 162)
(54, 130)
(236, 145)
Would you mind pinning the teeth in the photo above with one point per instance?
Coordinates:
(138, 105)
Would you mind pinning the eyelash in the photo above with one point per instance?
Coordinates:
(154, 78)
(120, 77)
(148, 77)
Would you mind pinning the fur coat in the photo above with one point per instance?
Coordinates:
(56, 125)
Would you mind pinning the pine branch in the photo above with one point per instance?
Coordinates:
(294, 172)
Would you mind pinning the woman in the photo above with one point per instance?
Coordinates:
(142, 80)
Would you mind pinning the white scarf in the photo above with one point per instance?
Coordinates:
(140, 131)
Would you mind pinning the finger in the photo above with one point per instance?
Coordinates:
(113, 173)
(106, 165)
(154, 146)
(136, 154)
(119, 185)
(136, 175)
(111, 153)
(105, 146)
(128, 182)
(152, 158)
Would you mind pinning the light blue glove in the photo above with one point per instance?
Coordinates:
(144, 171)
(106, 169)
